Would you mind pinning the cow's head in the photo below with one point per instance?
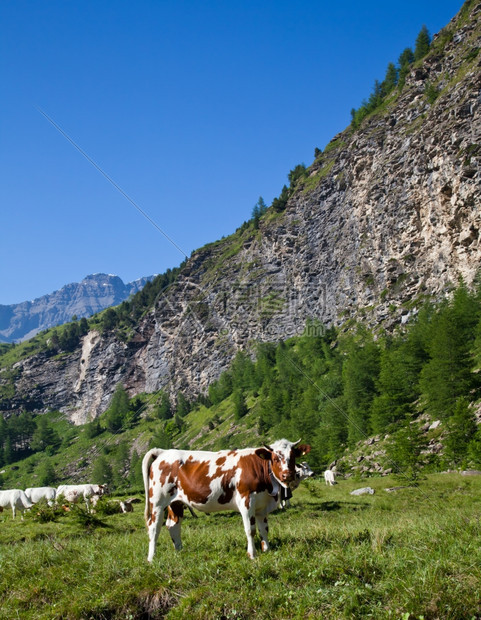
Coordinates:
(303, 471)
(282, 455)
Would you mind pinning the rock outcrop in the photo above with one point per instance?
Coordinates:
(389, 213)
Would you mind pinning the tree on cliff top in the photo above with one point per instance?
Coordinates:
(423, 42)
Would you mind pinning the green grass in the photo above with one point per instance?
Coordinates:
(411, 554)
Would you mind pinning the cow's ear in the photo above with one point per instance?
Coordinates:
(264, 453)
(302, 450)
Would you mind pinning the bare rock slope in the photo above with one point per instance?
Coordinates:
(388, 214)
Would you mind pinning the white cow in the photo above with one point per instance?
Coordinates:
(330, 477)
(35, 494)
(15, 498)
(73, 492)
(303, 471)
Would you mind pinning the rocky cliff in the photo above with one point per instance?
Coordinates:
(388, 214)
(94, 293)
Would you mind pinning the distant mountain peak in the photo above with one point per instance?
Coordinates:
(92, 294)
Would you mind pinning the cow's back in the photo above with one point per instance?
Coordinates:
(6, 498)
(14, 498)
(210, 481)
(35, 494)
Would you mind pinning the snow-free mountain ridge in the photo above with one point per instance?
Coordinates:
(82, 299)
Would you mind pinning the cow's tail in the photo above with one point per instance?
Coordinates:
(146, 463)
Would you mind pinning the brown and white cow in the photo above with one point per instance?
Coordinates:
(248, 481)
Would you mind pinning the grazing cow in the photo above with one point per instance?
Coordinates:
(73, 492)
(35, 494)
(303, 471)
(127, 505)
(330, 477)
(248, 481)
(15, 498)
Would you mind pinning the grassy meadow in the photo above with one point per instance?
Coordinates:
(410, 554)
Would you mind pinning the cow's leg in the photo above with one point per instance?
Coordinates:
(249, 520)
(175, 514)
(13, 510)
(154, 524)
(263, 528)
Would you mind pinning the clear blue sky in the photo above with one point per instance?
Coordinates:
(195, 109)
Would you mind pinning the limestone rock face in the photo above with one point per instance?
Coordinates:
(388, 214)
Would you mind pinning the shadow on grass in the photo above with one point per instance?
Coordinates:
(298, 509)
(329, 506)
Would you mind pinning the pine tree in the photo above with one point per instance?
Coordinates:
(240, 405)
(331, 436)
(461, 428)
(296, 174)
(243, 372)
(280, 203)
(163, 411)
(448, 374)
(69, 337)
(405, 61)
(162, 439)
(118, 411)
(183, 406)
(92, 429)
(54, 342)
(220, 389)
(135, 470)
(406, 57)
(423, 42)
(83, 326)
(256, 216)
(305, 417)
(405, 451)
(8, 452)
(390, 79)
(120, 464)
(266, 359)
(3, 431)
(110, 318)
(400, 364)
(359, 374)
(375, 99)
(20, 431)
(272, 403)
(258, 211)
(44, 437)
(46, 475)
(102, 471)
